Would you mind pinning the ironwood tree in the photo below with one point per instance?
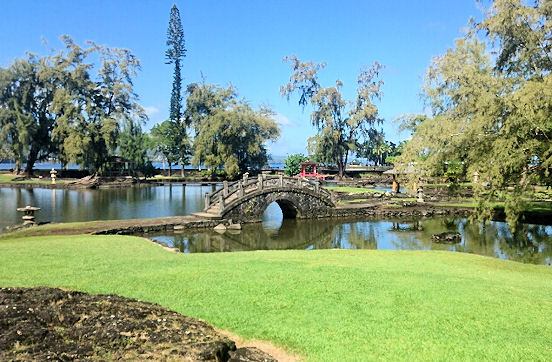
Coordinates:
(340, 124)
(164, 138)
(229, 133)
(27, 88)
(133, 144)
(492, 112)
(56, 106)
(90, 107)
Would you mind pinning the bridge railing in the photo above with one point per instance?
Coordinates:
(233, 190)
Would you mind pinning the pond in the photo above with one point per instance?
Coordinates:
(65, 205)
(529, 244)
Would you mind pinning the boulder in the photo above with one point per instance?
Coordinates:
(234, 227)
(220, 227)
(449, 237)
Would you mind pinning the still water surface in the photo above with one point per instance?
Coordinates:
(102, 204)
(530, 243)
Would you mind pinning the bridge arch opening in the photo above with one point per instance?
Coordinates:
(276, 212)
(272, 217)
(289, 211)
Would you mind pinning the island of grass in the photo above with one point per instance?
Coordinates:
(321, 304)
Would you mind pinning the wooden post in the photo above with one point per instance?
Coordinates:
(316, 186)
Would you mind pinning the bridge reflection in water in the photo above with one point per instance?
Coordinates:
(529, 244)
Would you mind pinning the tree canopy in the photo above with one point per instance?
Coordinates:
(229, 133)
(493, 113)
(340, 124)
(56, 105)
(292, 164)
(91, 107)
(27, 89)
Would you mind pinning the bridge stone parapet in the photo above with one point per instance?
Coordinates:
(247, 199)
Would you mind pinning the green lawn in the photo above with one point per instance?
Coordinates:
(8, 178)
(535, 206)
(325, 305)
(59, 228)
(352, 202)
(352, 190)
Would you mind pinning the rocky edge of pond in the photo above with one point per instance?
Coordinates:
(448, 237)
(176, 223)
(93, 182)
(54, 324)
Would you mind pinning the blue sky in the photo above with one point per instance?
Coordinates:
(243, 43)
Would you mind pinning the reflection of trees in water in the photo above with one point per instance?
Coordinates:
(408, 234)
(478, 238)
(357, 235)
(529, 244)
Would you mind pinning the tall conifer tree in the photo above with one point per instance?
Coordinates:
(175, 52)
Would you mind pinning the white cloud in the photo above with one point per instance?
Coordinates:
(151, 110)
(282, 120)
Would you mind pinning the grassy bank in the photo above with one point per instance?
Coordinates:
(353, 190)
(8, 178)
(324, 305)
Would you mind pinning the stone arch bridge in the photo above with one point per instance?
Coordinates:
(247, 199)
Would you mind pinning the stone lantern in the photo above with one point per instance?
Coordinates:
(53, 176)
(420, 192)
(28, 216)
(476, 177)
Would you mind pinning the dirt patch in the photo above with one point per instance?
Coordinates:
(54, 324)
(277, 352)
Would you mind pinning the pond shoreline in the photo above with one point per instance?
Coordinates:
(64, 184)
(176, 223)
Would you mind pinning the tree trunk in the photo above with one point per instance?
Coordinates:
(17, 167)
(340, 168)
(30, 162)
(170, 168)
(181, 168)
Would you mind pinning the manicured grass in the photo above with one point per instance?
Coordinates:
(58, 228)
(404, 199)
(8, 178)
(325, 305)
(441, 184)
(352, 202)
(353, 190)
